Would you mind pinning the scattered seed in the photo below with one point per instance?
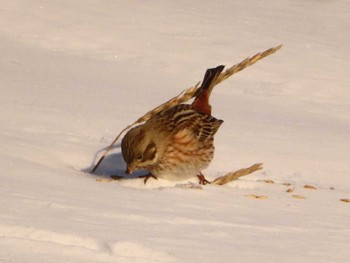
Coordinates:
(299, 196)
(307, 186)
(331, 188)
(257, 196)
(346, 200)
(268, 181)
(289, 190)
(287, 184)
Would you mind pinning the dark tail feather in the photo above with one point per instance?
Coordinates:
(201, 103)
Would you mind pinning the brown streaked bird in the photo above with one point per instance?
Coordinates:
(177, 143)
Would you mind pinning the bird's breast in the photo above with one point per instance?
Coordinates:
(184, 156)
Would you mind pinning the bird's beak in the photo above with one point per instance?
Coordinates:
(129, 169)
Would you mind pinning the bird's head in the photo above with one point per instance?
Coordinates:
(138, 149)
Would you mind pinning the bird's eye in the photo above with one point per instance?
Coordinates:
(140, 157)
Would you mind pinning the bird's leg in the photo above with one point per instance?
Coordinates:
(202, 179)
(147, 176)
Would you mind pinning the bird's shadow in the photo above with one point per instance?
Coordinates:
(112, 165)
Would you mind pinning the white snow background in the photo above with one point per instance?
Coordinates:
(74, 73)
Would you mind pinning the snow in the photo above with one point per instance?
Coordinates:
(74, 73)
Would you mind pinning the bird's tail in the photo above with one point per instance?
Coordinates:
(201, 102)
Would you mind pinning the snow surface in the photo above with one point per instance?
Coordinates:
(74, 73)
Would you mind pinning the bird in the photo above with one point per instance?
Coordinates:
(176, 143)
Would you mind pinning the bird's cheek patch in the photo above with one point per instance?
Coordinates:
(150, 152)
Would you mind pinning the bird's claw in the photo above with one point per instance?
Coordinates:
(202, 179)
(147, 176)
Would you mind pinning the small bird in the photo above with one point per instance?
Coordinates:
(177, 143)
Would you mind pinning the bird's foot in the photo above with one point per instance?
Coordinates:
(202, 179)
(147, 176)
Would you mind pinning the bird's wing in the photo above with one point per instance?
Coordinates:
(183, 116)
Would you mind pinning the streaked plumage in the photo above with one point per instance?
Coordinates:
(176, 143)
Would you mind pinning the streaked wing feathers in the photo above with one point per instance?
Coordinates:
(183, 116)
